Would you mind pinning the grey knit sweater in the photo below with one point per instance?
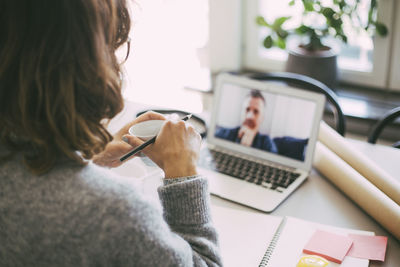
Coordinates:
(87, 216)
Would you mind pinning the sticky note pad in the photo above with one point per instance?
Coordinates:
(331, 246)
(368, 247)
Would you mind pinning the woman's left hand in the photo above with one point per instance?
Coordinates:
(114, 150)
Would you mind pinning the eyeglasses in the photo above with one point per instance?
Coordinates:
(124, 50)
(128, 44)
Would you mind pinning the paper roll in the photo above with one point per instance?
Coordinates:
(360, 190)
(361, 163)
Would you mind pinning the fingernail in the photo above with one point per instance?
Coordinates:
(125, 139)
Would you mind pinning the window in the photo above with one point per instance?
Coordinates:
(370, 64)
(362, 61)
(168, 46)
(176, 43)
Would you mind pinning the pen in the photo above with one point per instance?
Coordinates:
(145, 144)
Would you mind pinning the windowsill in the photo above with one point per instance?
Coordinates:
(363, 107)
(367, 104)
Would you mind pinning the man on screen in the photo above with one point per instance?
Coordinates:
(248, 133)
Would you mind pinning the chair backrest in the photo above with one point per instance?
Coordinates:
(386, 119)
(307, 83)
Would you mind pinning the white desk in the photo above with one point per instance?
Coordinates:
(319, 200)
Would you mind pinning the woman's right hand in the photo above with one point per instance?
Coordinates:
(175, 150)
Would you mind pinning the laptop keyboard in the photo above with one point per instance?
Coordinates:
(264, 175)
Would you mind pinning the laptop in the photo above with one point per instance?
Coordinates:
(261, 140)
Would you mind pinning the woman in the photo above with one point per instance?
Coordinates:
(59, 84)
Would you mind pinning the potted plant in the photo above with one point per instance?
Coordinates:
(318, 21)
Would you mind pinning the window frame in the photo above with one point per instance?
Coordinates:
(225, 31)
(394, 79)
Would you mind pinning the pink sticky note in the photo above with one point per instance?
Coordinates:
(328, 245)
(368, 247)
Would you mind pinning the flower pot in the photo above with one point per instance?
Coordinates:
(320, 65)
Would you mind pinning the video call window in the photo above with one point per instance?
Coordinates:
(270, 122)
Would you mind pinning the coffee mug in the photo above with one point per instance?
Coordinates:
(147, 129)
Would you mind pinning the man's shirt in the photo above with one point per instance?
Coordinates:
(261, 141)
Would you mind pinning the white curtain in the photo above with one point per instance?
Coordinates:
(293, 117)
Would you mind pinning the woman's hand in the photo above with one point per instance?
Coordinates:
(114, 150)
(175, 150)
(112, 153)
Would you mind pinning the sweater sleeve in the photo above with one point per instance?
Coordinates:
(187, 211)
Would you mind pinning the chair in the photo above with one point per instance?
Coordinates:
(386, 119)
(307, 83)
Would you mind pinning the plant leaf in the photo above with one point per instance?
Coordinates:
(308, 5)
(279, 21)
(371, 11)
(303, 29)
(261, 21)
(268, 42)
(381, 29)
(335, 23)
(280, 43)
(328, 12)
(282, 33)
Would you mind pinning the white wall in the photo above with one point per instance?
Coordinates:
(225, 35)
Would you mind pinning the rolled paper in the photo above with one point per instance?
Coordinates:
(361, 163)
(365, 194)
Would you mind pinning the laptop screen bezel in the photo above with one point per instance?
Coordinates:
(275, 88)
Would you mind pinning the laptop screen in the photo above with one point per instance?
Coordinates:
(266, 120)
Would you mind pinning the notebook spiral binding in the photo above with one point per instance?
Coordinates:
(272, 245)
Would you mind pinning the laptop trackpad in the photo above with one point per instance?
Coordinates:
(221, 184)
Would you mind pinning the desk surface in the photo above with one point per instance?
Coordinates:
(318, 200)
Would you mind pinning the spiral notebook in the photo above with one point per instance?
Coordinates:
(256, 239)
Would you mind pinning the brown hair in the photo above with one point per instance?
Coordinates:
(257, 94)
(59, 77)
